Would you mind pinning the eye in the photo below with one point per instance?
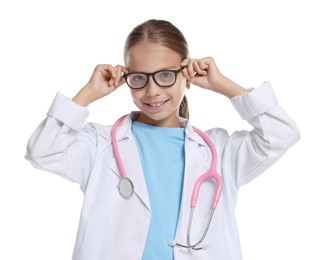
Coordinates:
(137, 77)
(136, 80)
(165, 76)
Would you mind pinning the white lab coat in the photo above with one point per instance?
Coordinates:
(112, 227)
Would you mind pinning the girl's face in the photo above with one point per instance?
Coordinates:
(159, 105)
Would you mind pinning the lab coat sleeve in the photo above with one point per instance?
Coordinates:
(246, 154)
(60, 144)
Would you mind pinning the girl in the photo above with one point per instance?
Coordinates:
(162, 154)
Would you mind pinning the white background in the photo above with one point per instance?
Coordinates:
(50, 46)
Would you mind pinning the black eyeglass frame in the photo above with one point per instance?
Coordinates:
(125, 76)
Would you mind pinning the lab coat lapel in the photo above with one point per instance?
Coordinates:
(133, 169)
(130, 158)
(197, 161)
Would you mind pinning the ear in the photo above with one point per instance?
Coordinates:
(188, 84)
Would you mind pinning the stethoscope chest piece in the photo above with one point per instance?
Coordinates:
(126, 188)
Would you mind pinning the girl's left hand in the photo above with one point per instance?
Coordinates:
(202, 72)
(205, 74)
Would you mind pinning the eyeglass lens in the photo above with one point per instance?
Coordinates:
(162, 78)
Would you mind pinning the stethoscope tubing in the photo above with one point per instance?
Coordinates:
(212, 173)
(116, 149)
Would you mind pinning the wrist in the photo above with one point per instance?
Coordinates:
(84, 97)
(228, 88)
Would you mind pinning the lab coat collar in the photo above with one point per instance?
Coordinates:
(124, 130)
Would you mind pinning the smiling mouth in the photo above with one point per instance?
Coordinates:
(156, 105)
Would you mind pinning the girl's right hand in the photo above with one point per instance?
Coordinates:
(104, 80)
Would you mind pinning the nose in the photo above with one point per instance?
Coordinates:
(152, 89)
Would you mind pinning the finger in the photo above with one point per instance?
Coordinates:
(110, 82)
(211, 64)
(120, 82)
(199, 68)
(123, 71)
(106, 70)
(119, 78)
(118, 70)
(190, 69)
(185, 73)
(203, 64)
(185, 62)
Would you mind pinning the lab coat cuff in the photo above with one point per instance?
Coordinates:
(68, 112)
(255, 102)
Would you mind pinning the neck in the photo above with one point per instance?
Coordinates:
(168, 122)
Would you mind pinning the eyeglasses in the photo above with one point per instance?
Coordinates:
(163, 78)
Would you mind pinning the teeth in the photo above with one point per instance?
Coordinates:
(156, 105)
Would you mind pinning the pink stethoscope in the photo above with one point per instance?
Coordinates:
(126, 187)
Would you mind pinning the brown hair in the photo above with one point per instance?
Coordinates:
(166, 34)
